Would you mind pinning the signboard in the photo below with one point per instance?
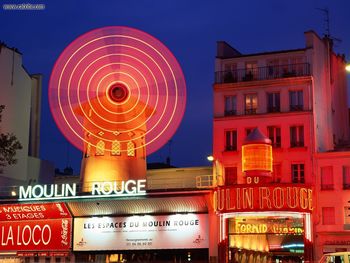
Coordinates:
(141, 232)
(20, 212)
(278, 225)
(98, 189)
(282, 197)
(36, 235)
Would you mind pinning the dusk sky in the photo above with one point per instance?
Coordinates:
(189, 29)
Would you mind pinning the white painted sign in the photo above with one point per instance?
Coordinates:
(183, 231)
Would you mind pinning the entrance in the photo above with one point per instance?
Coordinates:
(265, 239)
(146, 256)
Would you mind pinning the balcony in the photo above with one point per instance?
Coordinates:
(230, 148)
(230, 112)
(327, 187)
(295, 144)
(263, 73)
(299, 107)
(271, 109)
(250, 111)
(346, 186)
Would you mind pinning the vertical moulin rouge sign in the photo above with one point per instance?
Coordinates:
(35, 227)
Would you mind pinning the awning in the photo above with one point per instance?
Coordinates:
(150, 205)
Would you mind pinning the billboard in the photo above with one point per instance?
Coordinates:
(35, 227)
(141, 232)
(40, 235)
(35, 211)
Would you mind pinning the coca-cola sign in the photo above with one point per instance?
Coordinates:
(36, 235)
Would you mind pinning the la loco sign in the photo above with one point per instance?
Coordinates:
(42, 235)
(35, 227)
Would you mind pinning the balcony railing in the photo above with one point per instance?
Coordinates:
(230, 112)
(346, 186)
(295, 144)
(327, 187)
(230, 148)
(263, 73)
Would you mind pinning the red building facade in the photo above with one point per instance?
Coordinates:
(298, 98)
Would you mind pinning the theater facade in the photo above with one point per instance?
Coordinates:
(175, 215)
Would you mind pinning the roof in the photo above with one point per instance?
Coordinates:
(267, 53)
(256, 136)
(139, 206)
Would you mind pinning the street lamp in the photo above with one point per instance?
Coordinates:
(210, 158)
(347, 68)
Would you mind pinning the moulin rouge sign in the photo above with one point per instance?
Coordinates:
(35, 227)
(263, 198)
(98, 189)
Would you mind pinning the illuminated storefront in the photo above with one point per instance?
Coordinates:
(147, 237)
(127, 224)
(264, 223)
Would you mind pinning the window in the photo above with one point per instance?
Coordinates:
(298, 173)
(251, 71)
(277, 173)
(131, 148)
(296, 100)
(273, 102)
(230, 105)
(230, 175)
(346, 177)
(116, 148)
(272, 68)
(297, 66)
(251, 103)
(231, 140)
(328, 216)
(230, 74)
(347, 215)
(88, 150)
(100, 148)
(297, 136)
(47, 260)
(327, 178)
(274, 134)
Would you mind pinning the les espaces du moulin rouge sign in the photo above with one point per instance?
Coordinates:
(98, 189)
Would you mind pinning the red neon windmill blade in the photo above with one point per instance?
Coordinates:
(115, 81)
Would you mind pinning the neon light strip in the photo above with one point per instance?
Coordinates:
(293, 245)
(308, 234)
(262, 214)
(220, 233)
(80, 197)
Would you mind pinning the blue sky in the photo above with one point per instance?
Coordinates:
(189, 29)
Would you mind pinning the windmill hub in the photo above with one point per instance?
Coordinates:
(118, 93)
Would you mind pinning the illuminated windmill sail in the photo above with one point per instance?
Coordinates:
(117, 94)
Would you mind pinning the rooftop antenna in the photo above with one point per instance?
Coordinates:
(327, 33)
(326, 21)
(169, 153)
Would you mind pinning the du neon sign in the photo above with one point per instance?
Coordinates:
(69, 191)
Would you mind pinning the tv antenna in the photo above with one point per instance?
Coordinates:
(327, 33)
